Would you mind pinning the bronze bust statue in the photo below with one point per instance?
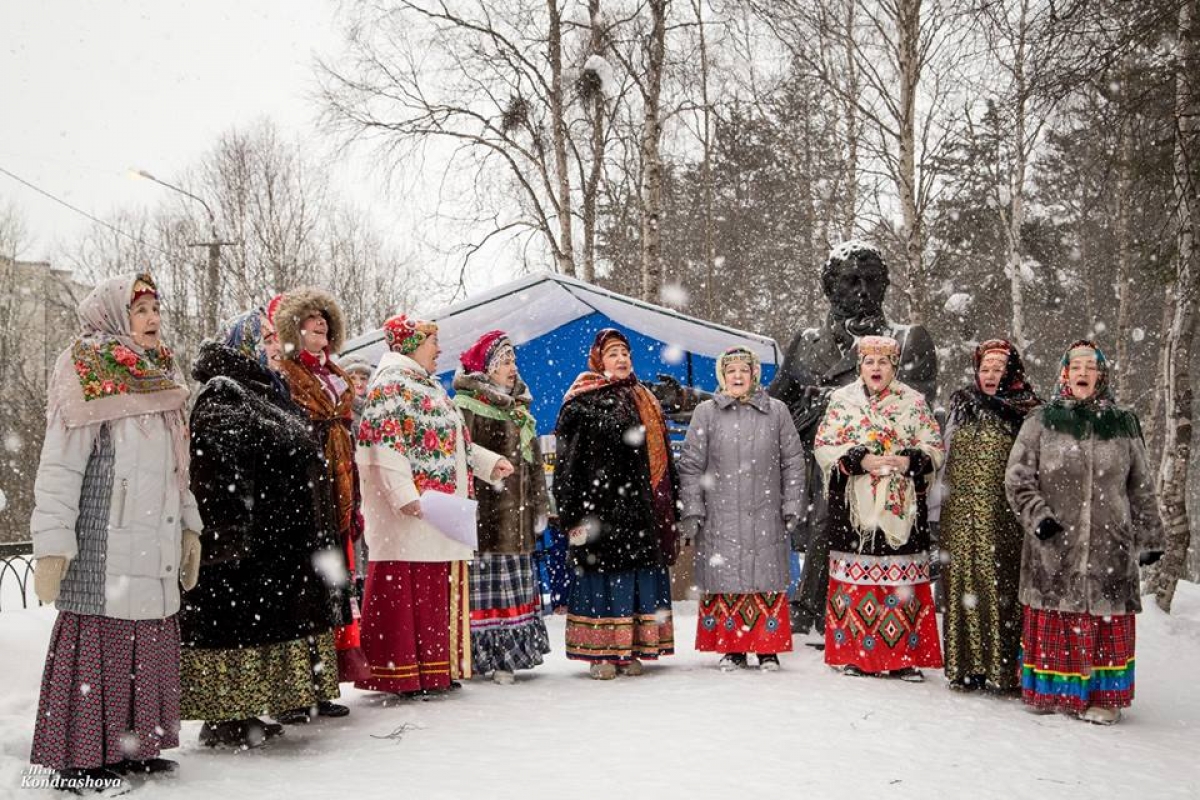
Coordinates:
(820, 360)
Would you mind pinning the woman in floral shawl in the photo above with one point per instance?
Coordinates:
(615, 486)
(115, 532)
(878, 446)
(982, 625)
(507, 630)
(412, 441)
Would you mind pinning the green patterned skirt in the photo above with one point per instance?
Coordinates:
(220, 685)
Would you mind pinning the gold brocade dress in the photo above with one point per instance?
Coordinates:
(983, 538)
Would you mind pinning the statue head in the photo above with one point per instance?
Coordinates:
(855, 279)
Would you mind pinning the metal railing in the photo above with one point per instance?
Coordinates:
(16, 570)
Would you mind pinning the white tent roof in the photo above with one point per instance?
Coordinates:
(538, 304)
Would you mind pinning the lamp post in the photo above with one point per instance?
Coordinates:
(213, 298)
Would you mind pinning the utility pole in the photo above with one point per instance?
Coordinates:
(212, 295)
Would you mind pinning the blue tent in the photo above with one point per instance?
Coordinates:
(552, 320)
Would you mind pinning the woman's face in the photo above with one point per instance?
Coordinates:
(427, 353)
(359, 380)
(145, 322)
(877, 372)
(272, 345)
(1083, 373)
(991, 371)
(739, 378)
(616, 361)
(314, 334)
(504, 372)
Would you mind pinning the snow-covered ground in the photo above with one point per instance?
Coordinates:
(685, 730)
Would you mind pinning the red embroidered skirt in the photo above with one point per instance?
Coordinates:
(758, 622)
(406, 626)
(880, 614)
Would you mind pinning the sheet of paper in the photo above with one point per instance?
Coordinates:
(452, 515)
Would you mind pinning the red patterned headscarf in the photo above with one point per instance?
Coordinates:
(405, 334)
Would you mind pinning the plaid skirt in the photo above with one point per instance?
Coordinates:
(110, 692)
(1072, 661)
(620, 616)
(507, 630)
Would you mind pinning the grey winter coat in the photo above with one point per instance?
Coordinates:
(1099, 490)
(742, 474)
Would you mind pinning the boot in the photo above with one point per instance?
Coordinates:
(731, 662)
(602, 671)
(327, 709)
(768, 662)
(908, 674)
(1098, 715)
(632, 669)
(504, 677)
(92, 782)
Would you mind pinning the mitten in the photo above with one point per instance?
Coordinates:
(48, 573)
(1150, 557)
(189, 562)
(1048, 529)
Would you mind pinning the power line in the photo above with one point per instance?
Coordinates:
(78, 210)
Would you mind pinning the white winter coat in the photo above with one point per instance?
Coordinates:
(147, 513)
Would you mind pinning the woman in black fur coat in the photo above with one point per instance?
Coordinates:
(258, 634)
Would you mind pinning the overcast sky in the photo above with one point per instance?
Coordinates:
(90, 89)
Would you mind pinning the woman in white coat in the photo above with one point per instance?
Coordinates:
(115, 531)
(412, 441)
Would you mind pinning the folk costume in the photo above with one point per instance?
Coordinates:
(880, 615)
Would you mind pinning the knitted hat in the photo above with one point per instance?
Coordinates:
(404, 335)
(479, 356)
(739, 354)
(879, 346)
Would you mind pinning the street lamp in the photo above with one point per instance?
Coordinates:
(212, 301)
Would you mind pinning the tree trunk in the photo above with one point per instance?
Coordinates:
(1016, 188)
(591, 192)
(1124, 267)
(652, 178)
(853, 127)
(1177, 438)
(566, 246)
(908, 61)
(710, 254)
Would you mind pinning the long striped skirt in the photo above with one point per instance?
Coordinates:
(1072, 661)
(507, 630)
(620, 616)
(110, 692)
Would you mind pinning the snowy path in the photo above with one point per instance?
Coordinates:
(684, 730)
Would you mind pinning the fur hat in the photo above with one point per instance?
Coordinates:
(297, 305)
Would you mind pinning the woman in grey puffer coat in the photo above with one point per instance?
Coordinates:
(742, 476)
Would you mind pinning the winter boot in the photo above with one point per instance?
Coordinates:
(908, 674)
(328, 709)
(731, 662)
(603, 671)
(1101, 716)
(504, 677)
(632, 669)
(768, 662)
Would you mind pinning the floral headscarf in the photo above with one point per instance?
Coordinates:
(1098, 415)
(244, 333)
(405, 334)
(887, 423)
(1014, 398)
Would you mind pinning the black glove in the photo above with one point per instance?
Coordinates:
(1150, 557)
(1048, 529)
